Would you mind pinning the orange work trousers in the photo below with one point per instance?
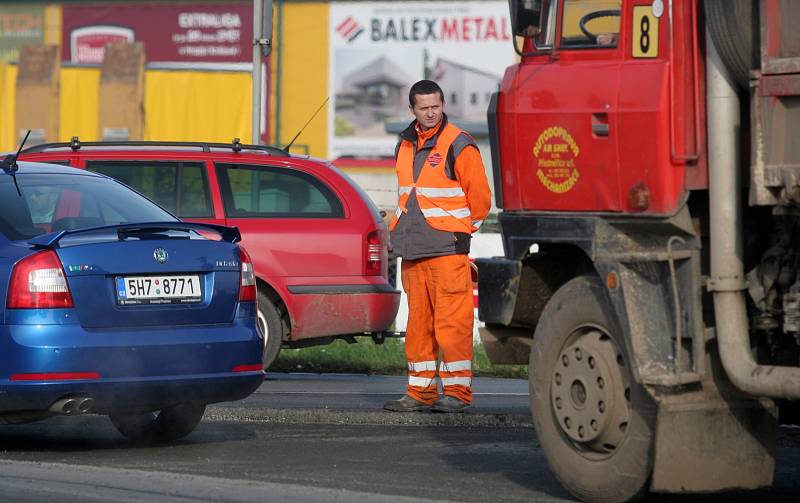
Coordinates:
(440, 317)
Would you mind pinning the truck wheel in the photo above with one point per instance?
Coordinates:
(166, 425)
(272, 326)
(594, 422)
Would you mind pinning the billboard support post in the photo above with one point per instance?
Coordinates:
(262, 44)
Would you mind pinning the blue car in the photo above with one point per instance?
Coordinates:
(114, 306)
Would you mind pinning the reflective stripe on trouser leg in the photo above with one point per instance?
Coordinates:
(421, 347)
(420, 366)
(453, 317)
(457, 381)
(456, 373)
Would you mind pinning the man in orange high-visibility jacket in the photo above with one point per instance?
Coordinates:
(443, 197)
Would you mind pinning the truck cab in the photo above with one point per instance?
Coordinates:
(649, 279)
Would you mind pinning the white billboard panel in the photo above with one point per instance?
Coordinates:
(379, 49)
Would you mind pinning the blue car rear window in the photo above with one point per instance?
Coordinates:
(54, 202)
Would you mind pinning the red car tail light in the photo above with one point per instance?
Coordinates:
(376, 261)
(55, 376)
(255, 367)
(38, 282)
(247, 288)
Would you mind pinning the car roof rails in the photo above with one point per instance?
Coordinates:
(236, 146)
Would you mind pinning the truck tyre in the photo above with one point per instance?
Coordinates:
(271, 326)
(166, 425)
(594, 422)
(735, 29)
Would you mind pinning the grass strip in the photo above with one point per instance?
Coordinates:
(366, 357)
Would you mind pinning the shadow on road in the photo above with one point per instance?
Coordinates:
(514, 454)
(86, 433)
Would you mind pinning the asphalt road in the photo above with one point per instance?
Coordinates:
(359, 399)
(308, 438)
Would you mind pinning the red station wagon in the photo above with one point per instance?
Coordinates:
(318, 244)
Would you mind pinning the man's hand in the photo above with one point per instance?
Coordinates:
(530, 31)
(607, 39)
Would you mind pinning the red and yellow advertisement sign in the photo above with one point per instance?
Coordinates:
(555, 154)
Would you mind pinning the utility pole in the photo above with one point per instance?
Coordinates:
(262, 45)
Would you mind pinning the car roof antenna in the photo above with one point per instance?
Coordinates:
(287, 147)
(9, 164)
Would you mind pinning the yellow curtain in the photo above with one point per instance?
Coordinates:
(197, 106)
(79, 103)
(8, 79)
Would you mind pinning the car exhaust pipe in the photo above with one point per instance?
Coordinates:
(85, 405)
(73, 405)
(727, 280)
(67, 406)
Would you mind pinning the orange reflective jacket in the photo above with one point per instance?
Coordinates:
(458, 205)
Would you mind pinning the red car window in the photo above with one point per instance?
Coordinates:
(259, 191)
(180, 187)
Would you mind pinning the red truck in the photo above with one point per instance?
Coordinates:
(649, 189)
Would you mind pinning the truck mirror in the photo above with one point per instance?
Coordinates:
(525, 17)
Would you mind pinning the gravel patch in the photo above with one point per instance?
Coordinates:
(332, 416)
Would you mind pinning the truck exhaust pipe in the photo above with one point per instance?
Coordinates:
(727, 281)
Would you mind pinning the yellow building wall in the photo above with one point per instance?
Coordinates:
(206, 106)
(301, 53)
(8, 79)
(179, 105)
(52, 24)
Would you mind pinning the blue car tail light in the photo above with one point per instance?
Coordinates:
(247, 289)
(38, 282)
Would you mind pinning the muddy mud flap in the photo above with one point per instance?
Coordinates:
(714, 445)
(504, 345)
(498, 286)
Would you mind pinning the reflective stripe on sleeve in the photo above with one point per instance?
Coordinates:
(398, 212)
(404, 190)
(456, 381)
(437, 192)
(455, 366)
(477, 223)
(421, 366)
(422, 382)
(439, 212)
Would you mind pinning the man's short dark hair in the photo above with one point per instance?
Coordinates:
(424, 87)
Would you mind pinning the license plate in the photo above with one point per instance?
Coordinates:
(158, 289)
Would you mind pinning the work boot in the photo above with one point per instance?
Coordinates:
(449, 404)
(406, 404)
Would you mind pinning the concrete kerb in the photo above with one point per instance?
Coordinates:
(332, 416)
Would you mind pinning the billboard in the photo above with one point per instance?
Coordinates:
(379, 49)
(214, 35)
(20, 25)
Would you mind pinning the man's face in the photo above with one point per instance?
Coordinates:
(428, 110)
(42, 204)
(40, 200)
